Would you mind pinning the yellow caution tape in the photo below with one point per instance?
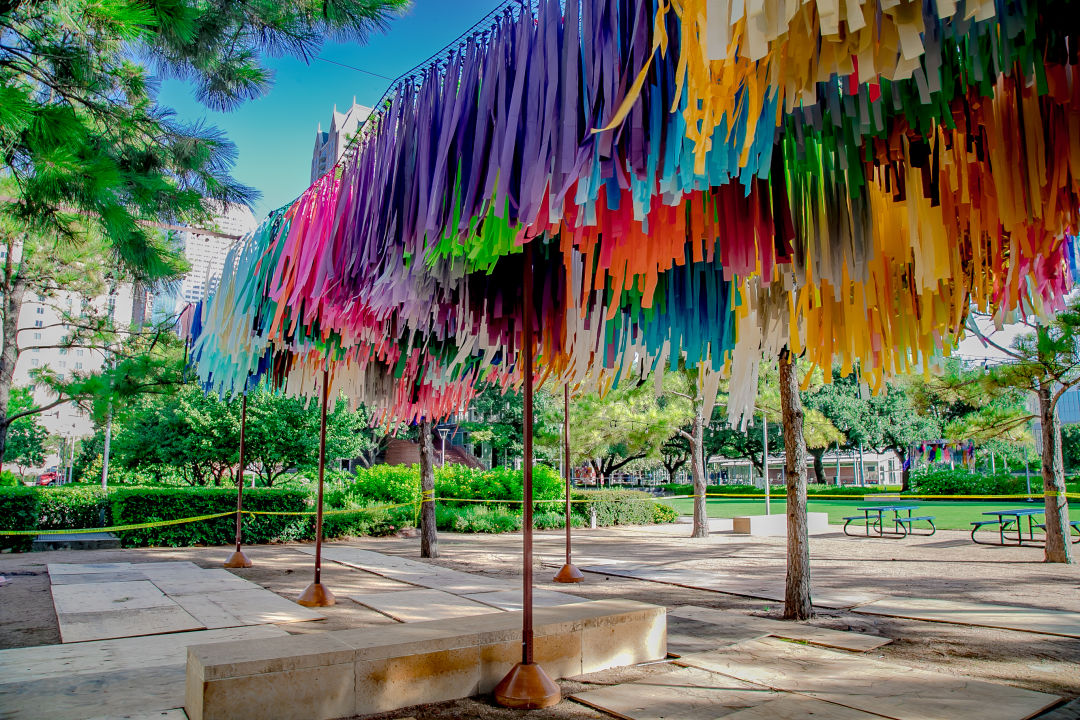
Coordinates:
(114, 528)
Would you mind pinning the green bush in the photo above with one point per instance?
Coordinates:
(9, 479)
(615, 507)
(141, 505)
(392, 484)
(962, 482)
(664, 513)
(812, 489)
(373, 522)
(71, 507)
(18, 511)
(476, 519)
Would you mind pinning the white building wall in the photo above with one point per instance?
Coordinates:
(206, 253)
(329, 145)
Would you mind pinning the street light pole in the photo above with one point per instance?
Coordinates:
(443, 432)
(765, 458)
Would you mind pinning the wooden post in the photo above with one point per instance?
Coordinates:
(568, 573)
(238, 559)
(316, 594)
(527, 686)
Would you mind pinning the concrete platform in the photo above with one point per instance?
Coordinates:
(374, 670)
(76, 541)
(776, 525)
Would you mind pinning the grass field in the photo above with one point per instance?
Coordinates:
(949, 515)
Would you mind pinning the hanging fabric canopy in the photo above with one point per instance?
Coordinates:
(703, 182)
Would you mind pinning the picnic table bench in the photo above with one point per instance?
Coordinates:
(1004, 521)
(904, 524)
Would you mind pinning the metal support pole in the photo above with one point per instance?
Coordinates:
(527, 686)
(765, 459)
(568, 573)
(316, 594)
(238, 559)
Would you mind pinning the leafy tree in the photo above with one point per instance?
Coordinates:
(26, 436)
(674, 454)
(500, 422)
(1070, 447)
(628, 423)
(1044, 361)
(91, 156)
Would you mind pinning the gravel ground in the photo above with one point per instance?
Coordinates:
(946, 565)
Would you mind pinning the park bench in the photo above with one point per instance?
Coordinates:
(907, 522)
(1074, 524)
(381, 669)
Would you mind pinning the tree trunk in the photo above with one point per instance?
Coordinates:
(1058, 548)
(905, 472)
(797, 604)
(819, 465)
(14, 294)
(429, 538)
(697, 470)
(138, 305)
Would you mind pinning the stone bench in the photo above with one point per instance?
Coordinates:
(776, 525)
(378, 669)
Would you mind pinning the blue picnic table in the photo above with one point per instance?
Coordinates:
(874, 515)
(1009, 516)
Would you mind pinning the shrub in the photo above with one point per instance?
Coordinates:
(615, 507)
(375, 522)
(400, 484)
(141, 505)
(664, 513)
(962, 482)
(476, 519)
(9, 479)
(72, 507)
(18, 511)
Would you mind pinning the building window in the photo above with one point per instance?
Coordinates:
(78, 366)
(63, 351)
(39, 323)
(39, 310)
(35, 362)
(35, 350)
(37, 336)
(79, 353)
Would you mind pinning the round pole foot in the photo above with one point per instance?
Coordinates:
(569, 574)
(527, 687)
(238, 560)
(316, 595)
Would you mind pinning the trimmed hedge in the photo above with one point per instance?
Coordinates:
(615, 507)
(72, 506)
(18, 511)
(142, 505)
(812, 489)
(962, 482)
(401, 484)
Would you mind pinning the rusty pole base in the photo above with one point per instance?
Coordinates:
(569, 574)
(238, 560)
(316, 595)
(527, 687)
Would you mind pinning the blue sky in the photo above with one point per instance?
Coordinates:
(275, 134)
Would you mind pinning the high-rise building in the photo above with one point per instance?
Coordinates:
(330, 144)
(205, 250)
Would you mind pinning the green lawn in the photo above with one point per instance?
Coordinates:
(948, 515)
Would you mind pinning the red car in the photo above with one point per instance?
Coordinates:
(47, 478)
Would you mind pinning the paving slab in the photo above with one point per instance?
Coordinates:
(44, 662)
(686, 636)
(108, 596)
(174, 714)
(693, 695)
(855, 681)
(799, 707)
(80, 627)
(252, 606)
(734, 621)
(110, 694)
(958, 612)
(420, 605)
(204, 581)
(83, 568)
(511, 599)
(97, 577)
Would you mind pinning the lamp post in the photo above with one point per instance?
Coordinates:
(443, 432)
